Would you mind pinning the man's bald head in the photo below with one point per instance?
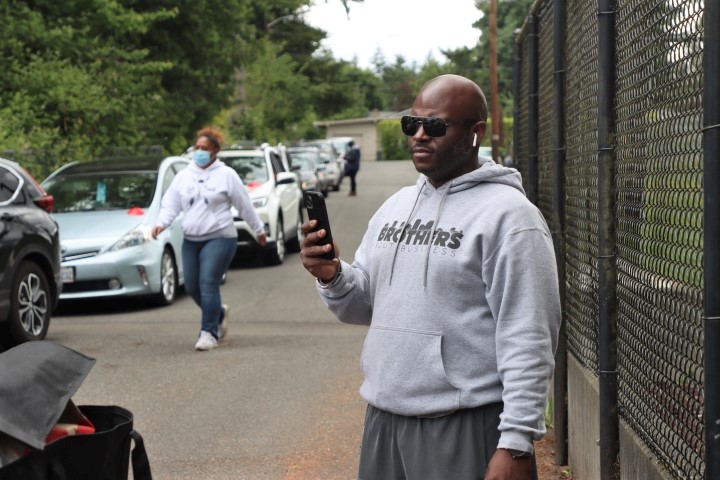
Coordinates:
(454, 93)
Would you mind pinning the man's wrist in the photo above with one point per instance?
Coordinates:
(518, 454)
(333, 280)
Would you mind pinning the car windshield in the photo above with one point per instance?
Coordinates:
(102, 191)
(304, 160)
(340, 146)
(252, 170)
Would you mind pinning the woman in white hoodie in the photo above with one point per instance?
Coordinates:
(204, 192)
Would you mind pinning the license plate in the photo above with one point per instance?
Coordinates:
(67, 274)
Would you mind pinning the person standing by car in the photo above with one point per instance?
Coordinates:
(204, 193)
(457, 280)
(352, 165)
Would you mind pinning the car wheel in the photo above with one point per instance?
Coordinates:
(293, 245)
(30, 304)
(168, 279)
(276, 255)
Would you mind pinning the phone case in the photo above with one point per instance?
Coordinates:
(315, 205)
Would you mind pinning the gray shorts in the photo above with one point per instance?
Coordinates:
(457, 446)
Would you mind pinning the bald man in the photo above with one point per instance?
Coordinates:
(456, 278)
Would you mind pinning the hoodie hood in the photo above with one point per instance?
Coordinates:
(488, 171)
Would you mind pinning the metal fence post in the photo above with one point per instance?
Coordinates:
(533, 111)
(711, 236)
(517, 58)
(560, 409)
(607, 266)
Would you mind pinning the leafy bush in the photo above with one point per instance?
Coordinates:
(393, 143)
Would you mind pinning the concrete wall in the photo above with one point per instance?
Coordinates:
(583, 422)
(636, 460)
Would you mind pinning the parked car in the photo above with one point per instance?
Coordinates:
(484, 152)
(310, 169)
(276, 196)
(29, 257)
(106, 209)
(334, 165)
(340, 144)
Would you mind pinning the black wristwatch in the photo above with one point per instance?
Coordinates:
(518, 454)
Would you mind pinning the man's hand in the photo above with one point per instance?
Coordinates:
(504, 467)
(310, 253)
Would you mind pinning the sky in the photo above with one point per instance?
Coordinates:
(411, 28)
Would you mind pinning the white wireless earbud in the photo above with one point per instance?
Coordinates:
(475, 139)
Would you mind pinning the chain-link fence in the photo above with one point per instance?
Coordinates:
(656, 205)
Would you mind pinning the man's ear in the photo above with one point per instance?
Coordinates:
(479, 129)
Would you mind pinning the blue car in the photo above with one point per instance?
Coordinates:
(105, 210)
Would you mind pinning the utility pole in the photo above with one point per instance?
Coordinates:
(496, 118)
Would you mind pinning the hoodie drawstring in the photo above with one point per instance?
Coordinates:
(432, 235)
(402, 234)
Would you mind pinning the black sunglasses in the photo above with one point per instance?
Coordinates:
(432, 126)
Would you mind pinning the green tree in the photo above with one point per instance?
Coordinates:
(398, 81)
(276, 103)
(204, 43)
(475, 62)
(71, 79)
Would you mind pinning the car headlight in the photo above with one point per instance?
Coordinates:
(137, 236)
(259, 202)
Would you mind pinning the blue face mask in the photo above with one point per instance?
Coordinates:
(201, 157)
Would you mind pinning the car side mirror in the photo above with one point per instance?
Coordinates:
(285, 178)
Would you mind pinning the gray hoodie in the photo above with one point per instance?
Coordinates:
(468, 319)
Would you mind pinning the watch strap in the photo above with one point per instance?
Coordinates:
(518, 454)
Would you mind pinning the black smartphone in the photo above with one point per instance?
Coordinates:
(315, 204)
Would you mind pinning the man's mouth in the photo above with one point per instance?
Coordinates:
(421, 152)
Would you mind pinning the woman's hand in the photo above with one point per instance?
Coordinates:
(157, 230)
(262, 239)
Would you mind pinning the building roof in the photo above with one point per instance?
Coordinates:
(374, 117)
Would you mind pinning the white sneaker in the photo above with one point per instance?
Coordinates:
(206, 341)
(223, 327)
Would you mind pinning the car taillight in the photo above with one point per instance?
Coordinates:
(46, 202)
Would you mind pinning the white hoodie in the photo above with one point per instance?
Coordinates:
(205, 197)
(460, 289)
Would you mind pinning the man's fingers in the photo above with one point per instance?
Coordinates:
(308, 226)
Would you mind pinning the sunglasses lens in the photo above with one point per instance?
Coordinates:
(434, 127)
(409, 125)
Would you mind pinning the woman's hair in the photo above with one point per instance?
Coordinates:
(215, 136)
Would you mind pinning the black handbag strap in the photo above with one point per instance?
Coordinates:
(140, 462)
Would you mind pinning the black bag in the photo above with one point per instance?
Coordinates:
(37, 380)
(103, 455)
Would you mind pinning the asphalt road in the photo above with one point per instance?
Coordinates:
(277, 400)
